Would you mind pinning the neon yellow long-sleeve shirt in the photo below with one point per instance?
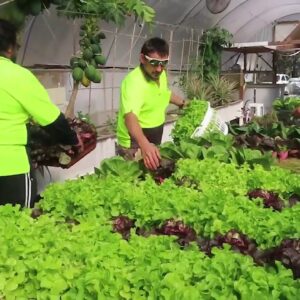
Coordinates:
(21, 97)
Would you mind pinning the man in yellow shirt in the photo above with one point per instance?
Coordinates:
(22, 98)
(144, 98)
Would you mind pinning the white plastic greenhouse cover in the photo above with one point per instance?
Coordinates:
(51, 40)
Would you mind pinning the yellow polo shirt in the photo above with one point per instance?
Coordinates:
(21, 97)
(146, 99)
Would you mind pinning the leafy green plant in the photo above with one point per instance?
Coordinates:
(115, 11)
(222, 91)
(117, 166)
(218, 90)
(287, 110)
(288, 103)
(215, 145)
(267, 136)
(266, 120)
(192, 117)
(211, 44)
(50, 256)
(183, 149)
(195, 88)
(214, 196)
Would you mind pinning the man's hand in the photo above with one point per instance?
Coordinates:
(151, 156)
(150, 152)
(177, 100)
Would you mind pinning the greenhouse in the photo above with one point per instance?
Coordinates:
(149, 149)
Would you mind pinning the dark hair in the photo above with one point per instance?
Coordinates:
(8, 35)
(155, 44)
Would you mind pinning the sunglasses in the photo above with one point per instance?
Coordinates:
(157, 62)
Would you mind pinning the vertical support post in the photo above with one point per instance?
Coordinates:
(274, 67)
(198, 45)
(131, 45)
(171, 44)
(190, 45)
(242, 78)
(182, 53)
(114, 69)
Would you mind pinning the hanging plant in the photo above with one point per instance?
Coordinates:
(202, 80)
(212, 42)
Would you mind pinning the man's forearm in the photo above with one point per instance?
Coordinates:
(135, 129)
(150, 152)
(177, 100)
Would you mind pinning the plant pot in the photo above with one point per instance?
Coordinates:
(282, 155)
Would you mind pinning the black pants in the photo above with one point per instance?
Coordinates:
(18, 189)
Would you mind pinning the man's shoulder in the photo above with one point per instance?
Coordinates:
(133, 75)
(17, 69)
(16, 73)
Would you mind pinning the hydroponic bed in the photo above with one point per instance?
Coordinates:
(213, 222)
(198, 235)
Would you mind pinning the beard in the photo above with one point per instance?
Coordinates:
(155, 75)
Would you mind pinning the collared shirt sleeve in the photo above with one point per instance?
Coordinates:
(34, 98)
(131, 100)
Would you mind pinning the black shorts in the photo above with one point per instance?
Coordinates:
(153, 135)
(18, 189)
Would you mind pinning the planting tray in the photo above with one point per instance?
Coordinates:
(87, 149)
(44, 152)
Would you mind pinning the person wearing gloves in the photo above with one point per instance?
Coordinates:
(144, 99)
(22, 98)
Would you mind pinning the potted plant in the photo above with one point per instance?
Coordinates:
(222, 91)
(283, 153)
